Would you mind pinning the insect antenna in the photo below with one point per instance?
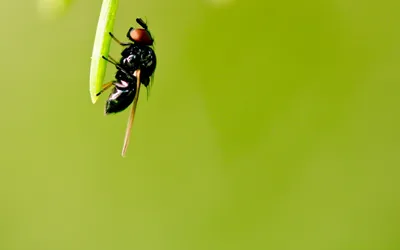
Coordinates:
(141, 23)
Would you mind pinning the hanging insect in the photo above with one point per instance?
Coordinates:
(136, 66)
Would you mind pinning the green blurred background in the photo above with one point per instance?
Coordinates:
(271, 125)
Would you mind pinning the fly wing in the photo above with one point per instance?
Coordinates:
(132, 115)
(148, 83)
(151, 83)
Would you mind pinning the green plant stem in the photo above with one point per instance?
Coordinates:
(101, 46)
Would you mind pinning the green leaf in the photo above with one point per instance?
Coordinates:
(101, 46)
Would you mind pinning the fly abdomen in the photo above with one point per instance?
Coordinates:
(119, 100)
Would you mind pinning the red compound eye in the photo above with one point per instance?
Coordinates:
(140, 36)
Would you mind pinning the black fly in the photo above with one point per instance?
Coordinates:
(136, 66)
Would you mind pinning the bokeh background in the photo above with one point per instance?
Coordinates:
(271, 125)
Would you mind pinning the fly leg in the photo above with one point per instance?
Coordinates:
(118, 41)
(113, 61)
(105, 87)
(132, 115)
